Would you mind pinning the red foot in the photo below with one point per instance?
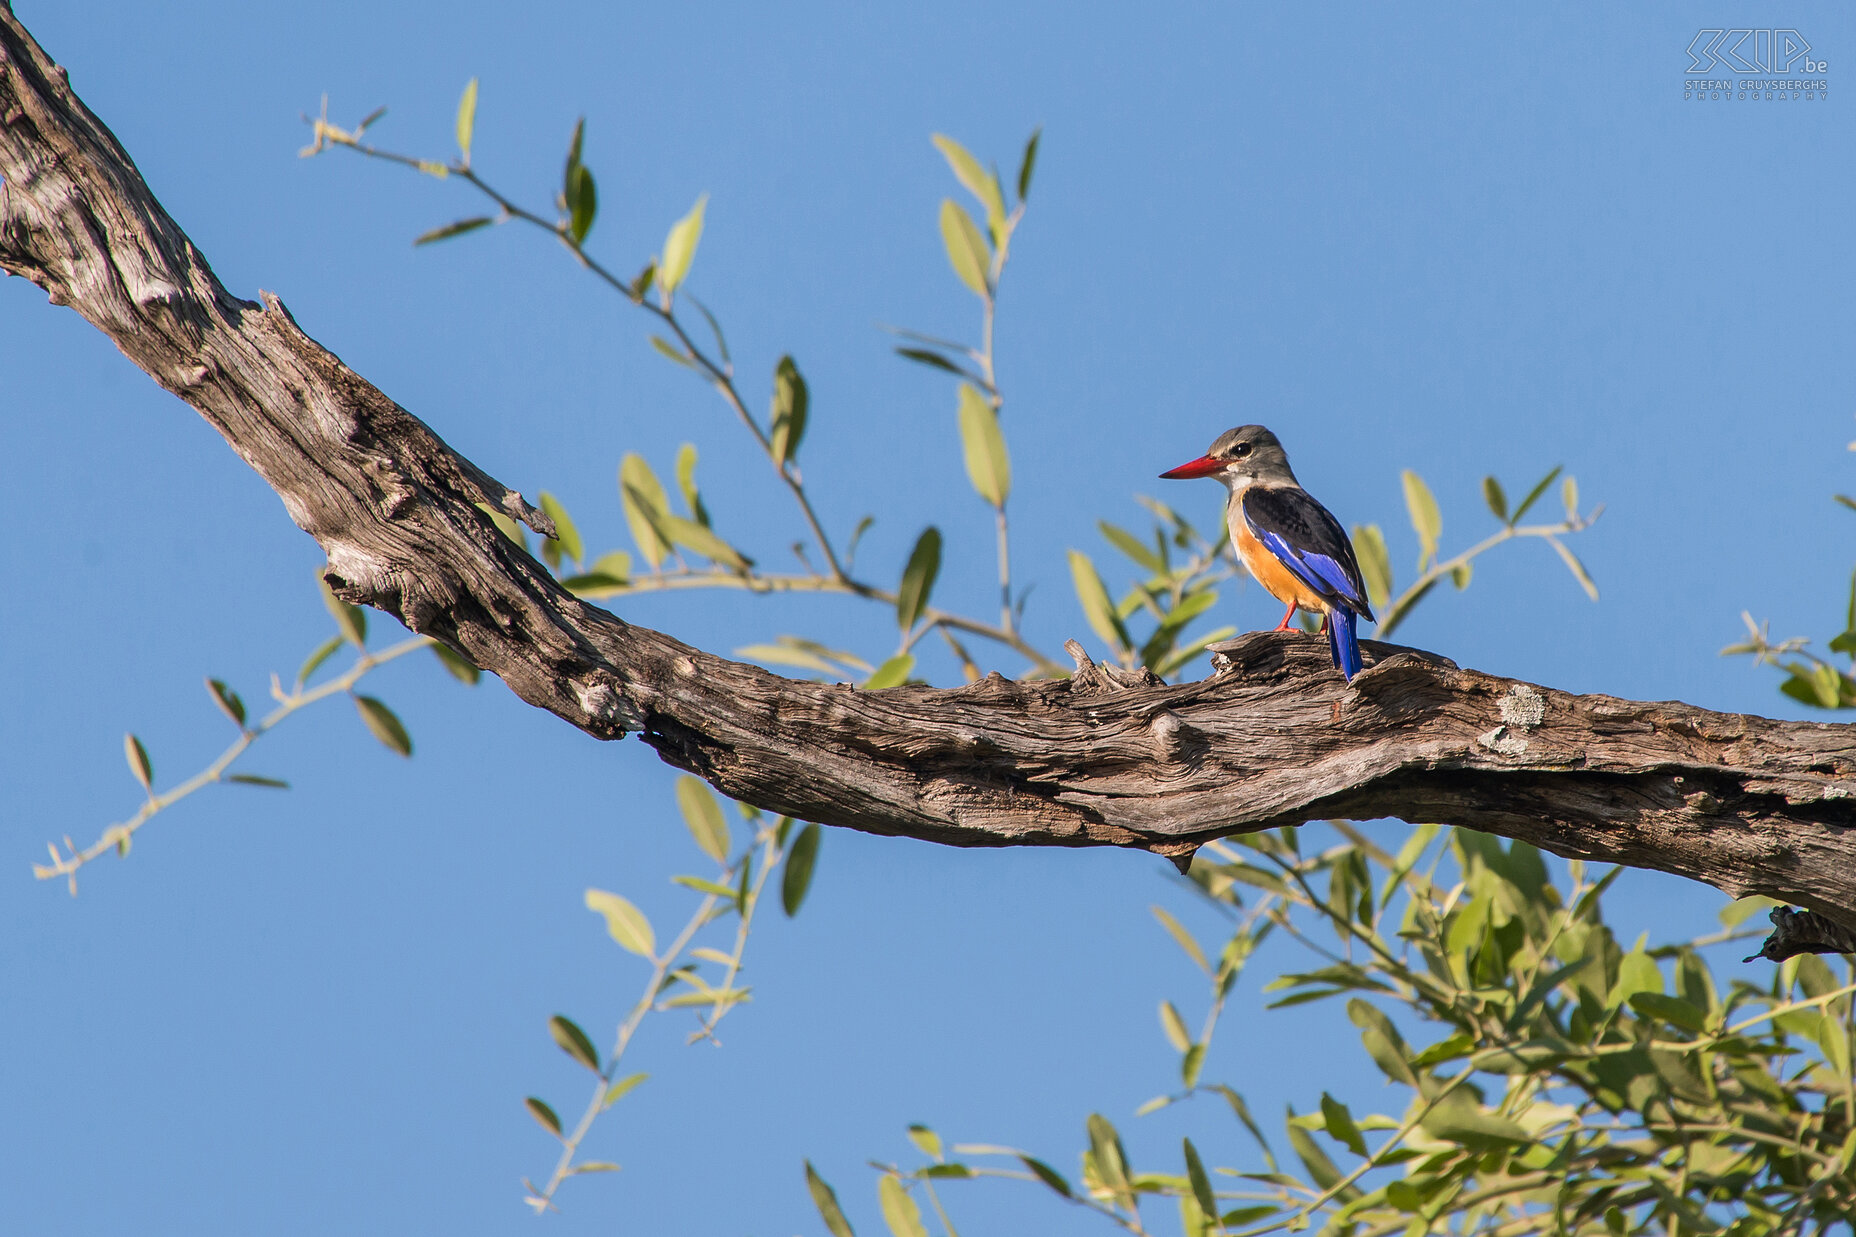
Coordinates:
(1284, 625)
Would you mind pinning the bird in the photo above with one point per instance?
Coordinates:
(1290, 544)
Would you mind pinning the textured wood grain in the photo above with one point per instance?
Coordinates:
(1274, 738)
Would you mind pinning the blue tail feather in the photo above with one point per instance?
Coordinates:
(1342, 642)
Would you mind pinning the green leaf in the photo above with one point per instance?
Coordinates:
(1533, 496)
(790, 402)
(700, 539)
(622, 1088)
(982, 184)
(1175, 1027)
(810, 654)
(323, 652)
(467, 118)
(1201, 1184)
(703, 815)
(1637, 972)
(642, 282)
(667, 349)
(1183, 938)
(432, 167)
(1569, 495)
(966, 248)
(252, 779)
(1045, 1173)
(573, 155)
(703, 886)
(351, 621)
(573, 1041)
(1741, 909)
(1028, 164)
(1190, 1063)
(1340, 1125)
(1097, 607)
(1575, 566)
(1321, 1169)
(1827, 685)
(643, 499)
(918, 577)
(715, 328)
(680, 248)
(1670, 1009)
(1459, 1119)
(594, 1166)
(384, 724)
(453, 229)
(569, 537)
(137, 756)
(891, 673)
(826, 1200)
(1110, 1158)
(796, 879)
(1383, 1042)
(625, 922)
(1425, 519)
(1369, 546)
(1132, 546)
(1459, 575)
(1498, 501)
(543, 1115)
(932, 359)
(927, 1140)
(988, 465)
(459, 665)
(228, 701)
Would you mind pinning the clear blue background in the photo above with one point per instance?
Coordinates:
(1467, 241)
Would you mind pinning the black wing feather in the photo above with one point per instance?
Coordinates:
(1291, 518)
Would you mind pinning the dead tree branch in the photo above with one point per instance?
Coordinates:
(1275, 738)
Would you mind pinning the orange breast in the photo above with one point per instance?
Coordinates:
(1268, 570)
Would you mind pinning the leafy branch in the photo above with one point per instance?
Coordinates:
(379, 719)
(675, 980)
(1591, 1096)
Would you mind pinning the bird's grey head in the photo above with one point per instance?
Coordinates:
(1239, 457)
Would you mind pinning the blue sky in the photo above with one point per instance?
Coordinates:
(1492, 240)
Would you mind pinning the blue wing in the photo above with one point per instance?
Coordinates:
(1309, 541)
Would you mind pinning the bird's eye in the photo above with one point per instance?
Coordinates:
(1241, 450)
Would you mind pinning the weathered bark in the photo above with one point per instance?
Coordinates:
(1274, 738)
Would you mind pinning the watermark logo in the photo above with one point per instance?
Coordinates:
(1772, 65)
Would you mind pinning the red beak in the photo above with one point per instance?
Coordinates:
(1204, 466)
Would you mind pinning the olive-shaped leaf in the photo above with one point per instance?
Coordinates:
(1369, 547)
(791, 401)
(385, 724)
(227, 700)
(703, 815)
(1497, 500)
(544, 1115)
(573, 1041)
(900, 1211)
(625, 922)
(1426, 521)
(139, 765)
(989, 467)
(796, 879)
(467, 118)
(1097, 607)
(680, 247)
(918, 577)
(966, 248)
